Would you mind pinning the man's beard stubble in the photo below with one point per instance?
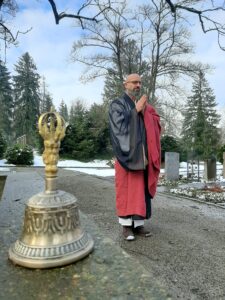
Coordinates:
(135, 93)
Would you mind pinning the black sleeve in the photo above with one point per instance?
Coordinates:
(125, 136)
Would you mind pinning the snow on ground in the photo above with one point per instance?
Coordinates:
(95, 167)
(100, 167)
(4, 169)
(38, 161)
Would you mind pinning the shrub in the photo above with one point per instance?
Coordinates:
(169, 144)
(19, 155)
(3, 145)
(220, 152)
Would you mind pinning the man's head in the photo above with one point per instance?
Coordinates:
(132, 85)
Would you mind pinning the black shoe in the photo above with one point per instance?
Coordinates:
(128, 233)
(142, 231)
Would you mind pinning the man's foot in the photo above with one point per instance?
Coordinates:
(128, 233)
(141, 230)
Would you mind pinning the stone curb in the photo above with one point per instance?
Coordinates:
(171, 195)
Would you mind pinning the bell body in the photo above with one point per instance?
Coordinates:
(51, 234)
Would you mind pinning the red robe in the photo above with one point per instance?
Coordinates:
(130, 185)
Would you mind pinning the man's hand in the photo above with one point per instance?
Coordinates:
(140, 105)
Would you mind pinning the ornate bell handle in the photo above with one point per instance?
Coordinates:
(52, 128)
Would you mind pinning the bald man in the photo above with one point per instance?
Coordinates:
(135, 136)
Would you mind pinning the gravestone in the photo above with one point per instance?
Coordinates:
(172, 165)
(223, 164)
(210, 169)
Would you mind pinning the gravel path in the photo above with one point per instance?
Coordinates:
(186, 252)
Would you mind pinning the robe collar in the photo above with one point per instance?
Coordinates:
(129, 100)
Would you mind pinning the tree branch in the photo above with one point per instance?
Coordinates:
(12, 37)
(7, 31)
(1, 2)
(59, 16)
(213, 25)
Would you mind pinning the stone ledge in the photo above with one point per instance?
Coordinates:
(107, 273)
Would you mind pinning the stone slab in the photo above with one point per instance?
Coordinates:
(107, 273)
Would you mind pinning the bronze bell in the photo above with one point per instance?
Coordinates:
(51, 234)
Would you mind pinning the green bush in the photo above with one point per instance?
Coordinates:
(3, 145)
(220, 152)
(169, 144)
(19, 155)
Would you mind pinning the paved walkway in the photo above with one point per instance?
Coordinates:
(186, 252)
(185, 255)
(107, 273)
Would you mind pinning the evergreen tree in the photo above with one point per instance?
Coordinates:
(6, 102)
(77, 113)
(27, 98)
(98, 126)
(46, 100)
(78, 142)
(63, 111)
(87, 135)
(48, 103)
(220, 152)
(3, 145)
(200, 132)
(169, 144)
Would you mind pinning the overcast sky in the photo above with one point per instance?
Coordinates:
(50, 45)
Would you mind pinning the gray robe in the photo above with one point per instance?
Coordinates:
(127, 132)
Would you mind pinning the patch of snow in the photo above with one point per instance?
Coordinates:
(38, 161)
(3, 163)
(94, 167)
(183, 164)
(73, 165)
(4, 169)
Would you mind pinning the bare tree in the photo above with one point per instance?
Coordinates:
(166, 45)
(101, 46)
(98, 7)
(151, 43)
(8, 9)
(89, 10)
(205, 11)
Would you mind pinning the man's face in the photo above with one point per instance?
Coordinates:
(133, 85)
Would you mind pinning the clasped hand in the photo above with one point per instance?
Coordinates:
(141, 104)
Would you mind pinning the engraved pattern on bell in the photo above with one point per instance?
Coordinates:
(51, 220)
(40, 252)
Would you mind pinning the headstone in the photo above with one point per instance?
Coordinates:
(223, 164)
(210, 169)
(172, 165)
